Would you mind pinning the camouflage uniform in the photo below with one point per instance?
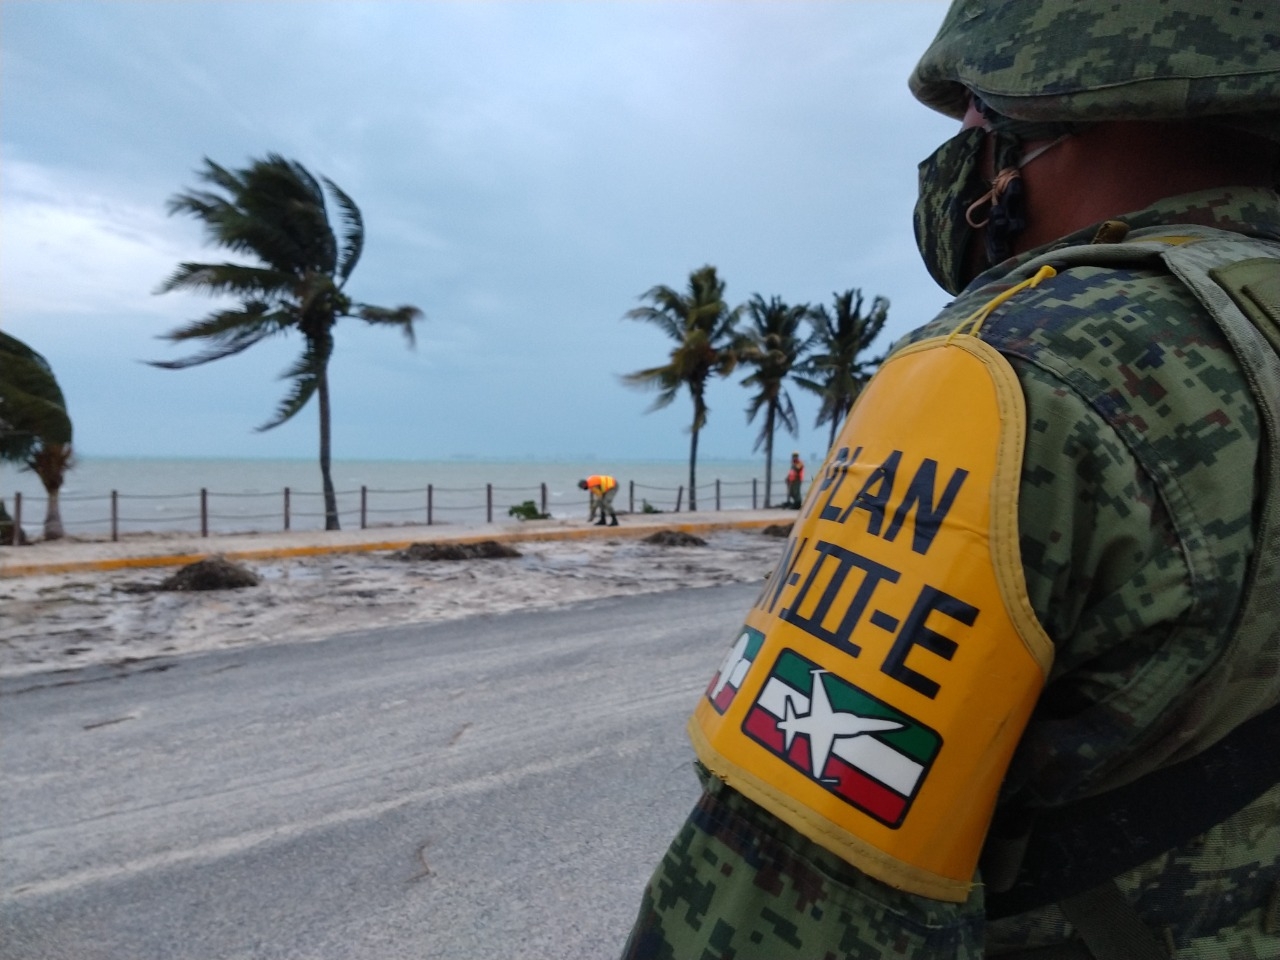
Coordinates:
(1103, 355)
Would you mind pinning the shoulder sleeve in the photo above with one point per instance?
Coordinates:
(1114, 579)
(737, 882)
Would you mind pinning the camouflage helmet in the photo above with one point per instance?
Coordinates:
(1087, 60)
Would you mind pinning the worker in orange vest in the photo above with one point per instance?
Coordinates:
(795, 477)
(603, 489)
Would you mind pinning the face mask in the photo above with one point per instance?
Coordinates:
(949, 184)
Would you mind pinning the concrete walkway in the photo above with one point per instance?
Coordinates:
(165, 550)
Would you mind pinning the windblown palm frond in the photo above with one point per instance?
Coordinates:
(402, 317)
(353, 234)
(32, 408)
(305, 374)
(663, 379)
(228, 279)
(228, 331)
(835, 370)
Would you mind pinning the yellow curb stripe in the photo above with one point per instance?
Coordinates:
(281, 553)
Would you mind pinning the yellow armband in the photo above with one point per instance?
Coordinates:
(884, 676)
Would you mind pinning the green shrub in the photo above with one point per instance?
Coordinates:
(528, 511)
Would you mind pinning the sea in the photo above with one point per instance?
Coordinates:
(105, 498)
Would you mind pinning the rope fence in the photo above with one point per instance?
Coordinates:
(116, 514)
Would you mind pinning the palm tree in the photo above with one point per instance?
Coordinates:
(833, 370)
(702, 326)
(772, 345)
(35, 429)
(274, 210)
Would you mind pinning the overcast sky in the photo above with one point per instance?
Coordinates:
(525, 171)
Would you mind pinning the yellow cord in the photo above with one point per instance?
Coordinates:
(975, 320)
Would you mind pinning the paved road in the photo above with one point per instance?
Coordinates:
(500, 786)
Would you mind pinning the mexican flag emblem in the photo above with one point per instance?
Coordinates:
(856, 746)
(733, 670)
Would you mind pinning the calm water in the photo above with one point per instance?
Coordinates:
(249, 495)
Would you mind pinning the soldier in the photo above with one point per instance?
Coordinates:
(1012, 689)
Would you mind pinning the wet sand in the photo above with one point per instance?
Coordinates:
(65, 620)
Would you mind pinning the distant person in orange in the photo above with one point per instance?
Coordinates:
(603, 489)
(795, 477)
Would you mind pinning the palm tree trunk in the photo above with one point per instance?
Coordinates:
(53, 529)
(50, 463)
(768, 455)
(693, 473)
(699, 417)
(326, 478)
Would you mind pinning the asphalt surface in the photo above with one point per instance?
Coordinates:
(499, 786)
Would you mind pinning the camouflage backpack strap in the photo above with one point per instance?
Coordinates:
(1082, 846)
(1238, 282)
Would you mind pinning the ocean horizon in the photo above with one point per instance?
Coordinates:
(241, 495)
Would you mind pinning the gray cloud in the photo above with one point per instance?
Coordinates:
(525, 170)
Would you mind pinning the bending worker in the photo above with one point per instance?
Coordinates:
(1012, 689)
(603, 489)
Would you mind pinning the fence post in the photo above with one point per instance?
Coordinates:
(204, 512)
(753, 493)
(717, 494)
(364, 506)
(428, 504)
(679, 497)
(115, 517)
(633, 496)
(286, 508)
(17, 519)
(544, 498)
(488, 503)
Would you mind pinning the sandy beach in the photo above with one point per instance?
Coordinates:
(81, 617)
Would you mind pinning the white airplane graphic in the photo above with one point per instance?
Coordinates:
(824, 726)
(734, 667)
